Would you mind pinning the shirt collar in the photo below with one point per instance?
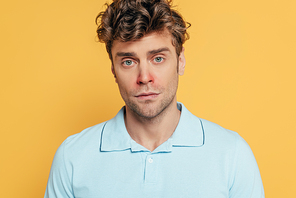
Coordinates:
(188, 133)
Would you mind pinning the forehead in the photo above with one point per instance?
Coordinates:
(149, 42)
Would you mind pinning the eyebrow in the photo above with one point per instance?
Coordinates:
(164, 49)
(125, 54)
(122, 54)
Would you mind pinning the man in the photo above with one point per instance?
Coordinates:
(154, 147)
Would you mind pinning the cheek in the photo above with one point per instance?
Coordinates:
(123, 91)
(122, 84)
(168, 77)
(126, 86)
(125, 77)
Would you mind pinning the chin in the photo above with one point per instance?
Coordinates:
(147, 110)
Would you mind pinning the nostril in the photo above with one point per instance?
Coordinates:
(144, 79)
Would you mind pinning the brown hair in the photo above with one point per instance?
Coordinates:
(129, 20)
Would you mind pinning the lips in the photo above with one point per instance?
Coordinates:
(145, 96)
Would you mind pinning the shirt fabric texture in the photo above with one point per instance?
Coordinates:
(201, 159)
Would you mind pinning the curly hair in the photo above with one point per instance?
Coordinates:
(130, 20)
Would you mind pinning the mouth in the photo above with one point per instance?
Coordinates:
(147, 96)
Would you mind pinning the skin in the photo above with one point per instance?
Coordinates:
(147, 73)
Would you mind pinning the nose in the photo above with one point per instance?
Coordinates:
(145, 74)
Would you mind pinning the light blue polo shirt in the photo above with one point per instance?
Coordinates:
(201, 160)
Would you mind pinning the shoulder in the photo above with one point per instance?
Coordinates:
(88, 139)
(218, 133)
(219, 137)
(75, 149)
(86, 135)
(224, 142)
(213, 135)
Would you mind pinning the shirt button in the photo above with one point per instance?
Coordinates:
(150, 160)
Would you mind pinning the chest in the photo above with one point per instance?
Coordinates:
(144, 174)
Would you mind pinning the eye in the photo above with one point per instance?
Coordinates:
(128, 62)
(158, 59)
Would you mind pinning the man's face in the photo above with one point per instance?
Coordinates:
(146, 72)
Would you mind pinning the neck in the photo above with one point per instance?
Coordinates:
(152, 132)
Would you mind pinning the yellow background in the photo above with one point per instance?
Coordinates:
(56, 80)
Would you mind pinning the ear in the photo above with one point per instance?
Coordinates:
(113, 72)
(182, 62)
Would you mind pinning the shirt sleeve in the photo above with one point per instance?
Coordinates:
(59, 182)
(247, 181)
